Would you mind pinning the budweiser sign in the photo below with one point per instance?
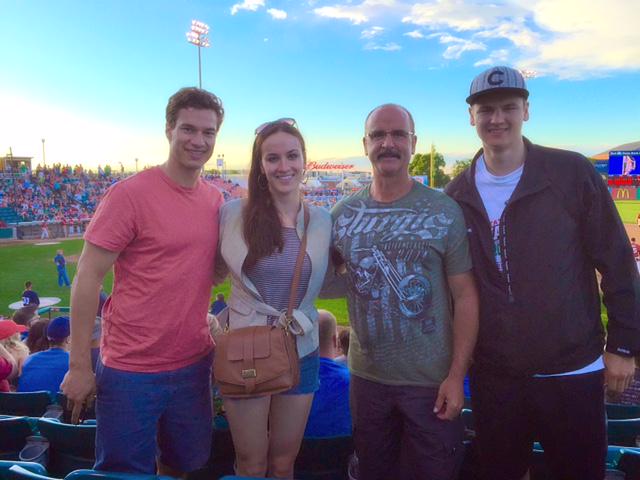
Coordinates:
(328, 166)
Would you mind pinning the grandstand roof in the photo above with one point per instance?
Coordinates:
(627, 146)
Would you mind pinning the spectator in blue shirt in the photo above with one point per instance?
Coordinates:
(330, 415)
(218, 305)
(45, 370)
(30, 299)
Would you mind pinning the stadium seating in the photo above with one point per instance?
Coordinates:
(629, 463)
(5, 465)
(28, 404)
(9, 216)
(72, 447)
(13, 434)
(17, 472)
(624, 432)
(469, 423)
(619, 412)
(86, 474)
(324, 458)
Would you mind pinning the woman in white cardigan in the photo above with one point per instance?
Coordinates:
(259, 243)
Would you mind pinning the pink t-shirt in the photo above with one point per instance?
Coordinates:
(156, 317)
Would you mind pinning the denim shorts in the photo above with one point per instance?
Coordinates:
(144, 415)
(309, 375)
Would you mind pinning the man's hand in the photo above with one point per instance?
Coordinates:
(79, 386)
(450, 399)
(618, 371)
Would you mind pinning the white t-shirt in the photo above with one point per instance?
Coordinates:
(495, 191)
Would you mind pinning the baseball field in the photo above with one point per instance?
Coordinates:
(33, 260)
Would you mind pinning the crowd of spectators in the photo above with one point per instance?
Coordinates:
(69, 195)
(229, 189)
(323, 197)
(61, 194)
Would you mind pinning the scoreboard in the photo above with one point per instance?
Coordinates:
(624, 163)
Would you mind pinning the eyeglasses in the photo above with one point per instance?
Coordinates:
(287, 121)
(396, 135)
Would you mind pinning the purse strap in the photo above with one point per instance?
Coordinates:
(295, 281)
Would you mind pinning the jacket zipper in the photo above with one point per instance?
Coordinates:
(502, 238)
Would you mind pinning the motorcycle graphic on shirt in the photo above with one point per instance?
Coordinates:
(375, 270)
(386, 253)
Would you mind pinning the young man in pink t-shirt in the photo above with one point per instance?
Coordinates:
(159, 230)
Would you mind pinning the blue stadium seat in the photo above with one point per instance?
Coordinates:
(72, 447)
(28, 404)
(16, 472)
(13, 434)
(624, 432)
(469, 423)
(5, 465)
(86, 474)
(324, 458)
(234, 477)
(619, 412)
(629, 463)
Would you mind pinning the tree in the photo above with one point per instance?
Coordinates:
(421, 165)
(459, 166)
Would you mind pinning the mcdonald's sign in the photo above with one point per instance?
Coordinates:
(624, 193)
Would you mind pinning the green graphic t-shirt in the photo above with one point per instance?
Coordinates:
(398, 256)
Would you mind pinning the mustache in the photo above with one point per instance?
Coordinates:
(388, 152)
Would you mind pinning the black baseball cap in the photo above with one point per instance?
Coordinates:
(501, 78)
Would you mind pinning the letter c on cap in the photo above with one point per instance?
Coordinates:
(498, 81)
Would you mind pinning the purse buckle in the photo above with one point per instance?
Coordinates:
(249, 373)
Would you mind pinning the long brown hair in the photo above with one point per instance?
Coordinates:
(261, 225)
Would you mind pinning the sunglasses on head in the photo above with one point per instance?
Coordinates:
(287, 121)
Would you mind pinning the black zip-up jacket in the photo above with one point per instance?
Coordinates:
(541, 315)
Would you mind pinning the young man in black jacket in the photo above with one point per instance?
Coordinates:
(540, 223)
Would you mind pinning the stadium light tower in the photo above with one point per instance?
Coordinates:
(44, 161)
(198, 37)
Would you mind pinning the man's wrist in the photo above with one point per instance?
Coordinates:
(457, 373)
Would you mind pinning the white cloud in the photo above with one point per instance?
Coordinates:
(371, 32)
(352, 14)
(585, 41)
(414, 34)
(564, 38)
(458, 46)
(568, 38)
(496, 57)
(460, 15)
(516, 32)
(360, 13)
(277, 14)
(387, 47)
(250, 5)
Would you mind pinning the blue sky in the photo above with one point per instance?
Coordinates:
(93, 77)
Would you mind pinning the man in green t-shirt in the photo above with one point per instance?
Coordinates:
(413, 308)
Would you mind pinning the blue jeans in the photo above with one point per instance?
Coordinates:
(141, 416)
(63, 279)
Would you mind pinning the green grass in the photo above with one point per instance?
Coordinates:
(628, 210)
(26, 261)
